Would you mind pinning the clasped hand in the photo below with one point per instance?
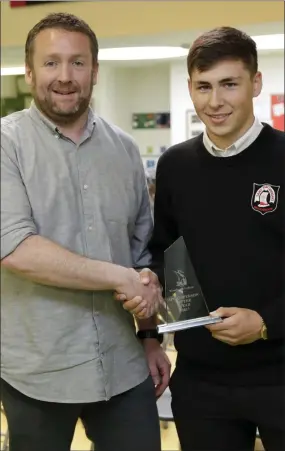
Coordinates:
(143, 295)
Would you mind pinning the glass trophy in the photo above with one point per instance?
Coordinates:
(185, 305)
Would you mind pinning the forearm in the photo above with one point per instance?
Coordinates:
(150, 323)
(47, 263)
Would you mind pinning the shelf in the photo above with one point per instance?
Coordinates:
(149, 155)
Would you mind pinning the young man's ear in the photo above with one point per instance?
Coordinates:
(257, 84)
(190, 86)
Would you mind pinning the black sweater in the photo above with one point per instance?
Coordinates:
(235, 241)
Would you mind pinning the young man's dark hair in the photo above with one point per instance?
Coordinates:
(62, 21)
(221, 44)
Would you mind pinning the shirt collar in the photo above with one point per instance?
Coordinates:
(38, 115)
(242, 143)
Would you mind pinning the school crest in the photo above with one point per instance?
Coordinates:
(264, 197)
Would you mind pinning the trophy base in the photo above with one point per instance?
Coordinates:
(187, 324)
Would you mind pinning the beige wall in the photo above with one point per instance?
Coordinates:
(120, 18)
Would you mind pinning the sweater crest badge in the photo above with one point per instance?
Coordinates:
(264, 198)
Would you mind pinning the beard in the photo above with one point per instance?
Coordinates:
(63, 114)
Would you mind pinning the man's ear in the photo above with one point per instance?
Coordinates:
(28, 75)
(95, 73)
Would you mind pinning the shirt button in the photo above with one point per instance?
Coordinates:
(90, 227)
(85, 186)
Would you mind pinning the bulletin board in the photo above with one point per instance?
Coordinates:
(194, 125)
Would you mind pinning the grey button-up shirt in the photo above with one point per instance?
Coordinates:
(58, 344)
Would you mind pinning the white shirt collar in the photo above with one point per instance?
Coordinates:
(242, 143)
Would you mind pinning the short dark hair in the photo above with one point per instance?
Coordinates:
(62, 21)
(220, 44)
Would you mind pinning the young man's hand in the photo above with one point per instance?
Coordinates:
(240, 326)
(142, 296)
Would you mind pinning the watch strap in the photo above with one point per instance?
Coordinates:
(150, 333)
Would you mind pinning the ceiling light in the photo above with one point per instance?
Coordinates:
(269, 42)
(122, 54)
(12, 70)
(140, 53)
(263, 42)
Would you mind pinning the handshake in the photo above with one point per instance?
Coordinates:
(140, 293)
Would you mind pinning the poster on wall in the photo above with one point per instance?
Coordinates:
(150, 120)
(277, 111)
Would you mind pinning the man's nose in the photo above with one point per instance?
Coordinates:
(216, 99)
(64, 75)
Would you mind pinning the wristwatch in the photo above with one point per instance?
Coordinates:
(263, 332)
(150, 333)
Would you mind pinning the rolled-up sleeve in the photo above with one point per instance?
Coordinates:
(16, 214)
(143, 229)
(143, 226)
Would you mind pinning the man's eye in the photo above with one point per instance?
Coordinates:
(230, 85)
(50, 63)
(78, 63)
(203, 88)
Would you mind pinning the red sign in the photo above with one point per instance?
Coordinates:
(277, 111)
(15, 4)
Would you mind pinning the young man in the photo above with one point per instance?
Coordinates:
(75, 222)
(223, 191)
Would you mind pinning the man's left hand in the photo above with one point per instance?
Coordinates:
(159, 365)
(240, 326)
